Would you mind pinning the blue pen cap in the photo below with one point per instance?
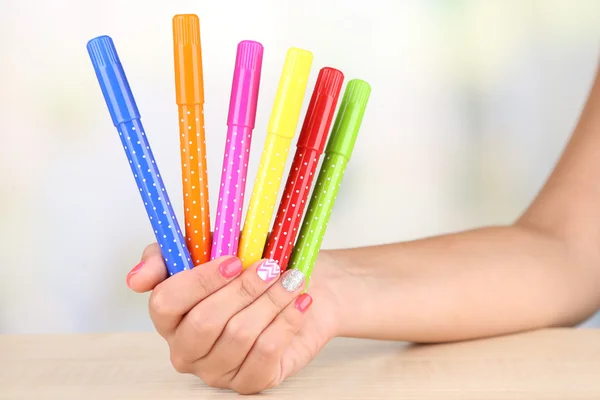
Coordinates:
(112, 79)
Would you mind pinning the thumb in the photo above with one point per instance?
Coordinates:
(149, 272)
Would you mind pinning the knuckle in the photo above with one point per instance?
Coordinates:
(266, 349)
(293, 319)
(245, 388)
(203, 280)
(180, 364)
(277, 303)
(212, 380)
(247, 289)
(202, 325)
(158, 302)
(237, 332)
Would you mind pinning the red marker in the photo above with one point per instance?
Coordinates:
(311, 143)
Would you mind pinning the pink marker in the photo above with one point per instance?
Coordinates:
(240, 123)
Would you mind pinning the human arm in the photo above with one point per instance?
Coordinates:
(543, 270)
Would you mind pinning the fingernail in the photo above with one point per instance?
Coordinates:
(303, 302)
(134, 271)
(268, 270)
(230, 267)
(292, 279)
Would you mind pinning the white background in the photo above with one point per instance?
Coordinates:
(471, 105)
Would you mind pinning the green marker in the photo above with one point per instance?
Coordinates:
(337, 154)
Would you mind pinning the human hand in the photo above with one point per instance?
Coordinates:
(241, 330)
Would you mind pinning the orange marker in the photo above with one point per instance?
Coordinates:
(189, 91)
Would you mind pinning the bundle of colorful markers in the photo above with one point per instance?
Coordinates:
(249, 241)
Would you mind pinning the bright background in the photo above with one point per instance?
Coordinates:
(472, 104)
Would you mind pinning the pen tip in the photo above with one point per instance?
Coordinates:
(186, 29)
(249, 55)
(102, 51)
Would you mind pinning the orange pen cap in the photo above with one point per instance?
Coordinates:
(189, 83)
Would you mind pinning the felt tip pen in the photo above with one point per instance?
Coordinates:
(126, 118)
(240, 124)
(312, 140)
(337, 154)
(189, 95)
(280, 131)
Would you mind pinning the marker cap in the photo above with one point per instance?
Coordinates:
(290, 93)
(349, 117)
(189, 84)
(112, 79)
(246, 83)
(321, 109)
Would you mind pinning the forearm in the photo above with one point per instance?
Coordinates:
(473, 284)
(542, 271)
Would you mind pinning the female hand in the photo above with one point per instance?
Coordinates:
(241, 330)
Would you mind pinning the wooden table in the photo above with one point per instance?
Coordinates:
(552, 364)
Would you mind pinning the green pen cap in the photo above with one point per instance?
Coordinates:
(349, 117)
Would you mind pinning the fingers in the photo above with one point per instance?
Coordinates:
(149, 272)
(202, 326)
(262, 367)
(241, 331)
(176, 296)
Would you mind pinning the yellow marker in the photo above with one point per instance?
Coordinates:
(280, 132)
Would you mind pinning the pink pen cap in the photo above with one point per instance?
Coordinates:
(240, 123)
(246, 81)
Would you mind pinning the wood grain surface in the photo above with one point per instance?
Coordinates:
(548, 364)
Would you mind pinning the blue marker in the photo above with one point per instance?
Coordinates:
(127, 120)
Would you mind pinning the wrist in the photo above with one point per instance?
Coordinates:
(339, 282)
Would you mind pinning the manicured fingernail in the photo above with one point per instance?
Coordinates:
(134, 271)
(268, 270)
(303, 302)
(292, 279)
(230, 267)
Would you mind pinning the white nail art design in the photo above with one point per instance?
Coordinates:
(268, 270)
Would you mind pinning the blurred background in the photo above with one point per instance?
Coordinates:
(472, 103)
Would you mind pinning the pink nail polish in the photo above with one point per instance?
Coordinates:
(134, 271)
(268, 270)
(230, 267)
(303, 302)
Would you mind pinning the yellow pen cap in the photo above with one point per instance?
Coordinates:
(290, 93)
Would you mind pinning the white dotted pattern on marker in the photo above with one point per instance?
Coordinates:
(231, 193)
(153, 192)
(291, 208)
(318, 214)
(194, 175)
(264, 197)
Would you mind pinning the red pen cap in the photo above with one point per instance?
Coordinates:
(321, 109)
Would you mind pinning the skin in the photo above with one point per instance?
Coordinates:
(541, 271)
(241, 333)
